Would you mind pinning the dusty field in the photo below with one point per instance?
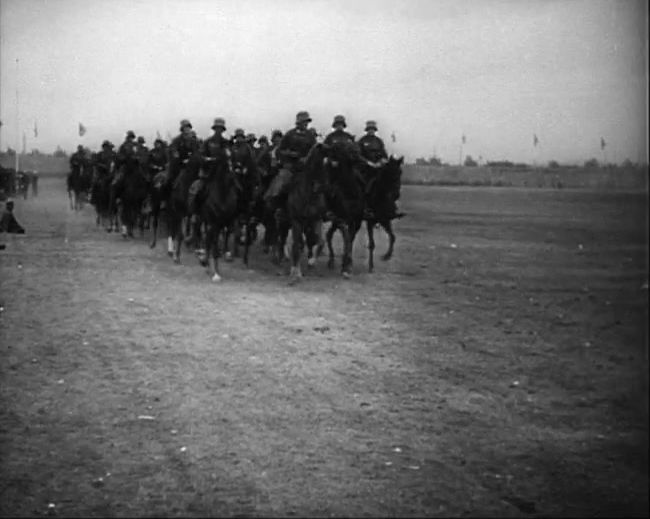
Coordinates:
(505, 375)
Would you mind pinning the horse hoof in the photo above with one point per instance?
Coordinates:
(152, 245)
(228, 256)
(216, 278)
(346, 275)
(311, 262)
(177, 261)
(386, 257)
(170, 253)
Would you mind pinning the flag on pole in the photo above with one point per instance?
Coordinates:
(463, 139)
(82, 130)
(35, 129)
(535, 140)
(602, 143)
(392, 137)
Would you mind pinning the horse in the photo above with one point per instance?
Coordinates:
(218, 210)
(244, 227)
(381, 204)
(177, 208)
(78, 184)
(345, 201)
(305, 206)
(132, 193)
(158, 192)
(100, 192)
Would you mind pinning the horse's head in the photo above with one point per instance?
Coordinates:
(391, 174)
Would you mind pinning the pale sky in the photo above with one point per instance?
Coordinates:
(497, 71)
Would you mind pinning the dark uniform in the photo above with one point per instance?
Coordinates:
(374, 153)
(215, 150)
(142, 155)
(244, 165)
(78, 159)
(291, 152)
(8, 222)
(183, 151)
(105, 161)
(158, 162)
(340, 137)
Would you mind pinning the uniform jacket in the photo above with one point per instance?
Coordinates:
(295, 145)
(372, 148)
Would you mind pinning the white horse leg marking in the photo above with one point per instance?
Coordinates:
(170, 244)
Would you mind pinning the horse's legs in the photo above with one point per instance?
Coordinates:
(154, 226)
(296, 250)
(346, 261)
(388, 227)
(248, 238)
(313, 236)
(370, 225)
(212, 251)
(328, 239)
(319, 237)
(177, 235)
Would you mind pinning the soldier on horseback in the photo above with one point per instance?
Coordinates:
(291, 152)
(126, 153)
(214, 153)
(374, 154)
(158, 162)
(247, 178)
(78, 159)
(339, 139)
(183, 148)
(104, 162)
(338, 134)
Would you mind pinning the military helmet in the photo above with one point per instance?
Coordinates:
(276, 133)
(303, 117)
(185, 123)
(371, 125)
(9, 201)
(219, 122)
(80, 148)
(339, 119)
(130, 134)
(263, 138)
(141, 139)
(251, 137)
(158, 140)
(240, 133)
(107, 144)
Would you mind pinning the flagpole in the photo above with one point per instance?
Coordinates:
(460, 153)
(17, 121)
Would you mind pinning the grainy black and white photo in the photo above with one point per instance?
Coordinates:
(324, 258)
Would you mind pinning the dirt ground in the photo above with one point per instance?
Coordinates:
(496, 366)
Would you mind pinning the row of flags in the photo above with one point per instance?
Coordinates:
(82, 132)
(463, 139)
